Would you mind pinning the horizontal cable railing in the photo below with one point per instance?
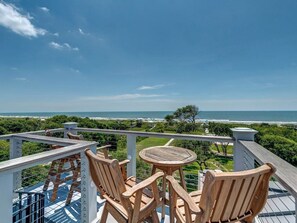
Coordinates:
(30, 174)
(159, 135)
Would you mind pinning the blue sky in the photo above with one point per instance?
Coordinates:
(113, 55)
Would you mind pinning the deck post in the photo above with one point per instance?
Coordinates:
(131, 155)
(15, 152)
(6, 188)
(295, 209)
(88, 191)
(70, 127)
(242, 161)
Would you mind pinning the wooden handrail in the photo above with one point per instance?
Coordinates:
(285, 173)
(71, 147)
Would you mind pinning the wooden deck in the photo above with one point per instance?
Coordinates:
(276, 210)
(58, 212)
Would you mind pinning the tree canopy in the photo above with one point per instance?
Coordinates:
(184, 114)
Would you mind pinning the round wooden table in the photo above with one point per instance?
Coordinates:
(168, 159)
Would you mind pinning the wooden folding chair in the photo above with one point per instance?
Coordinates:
(75, 185)
(59, 169)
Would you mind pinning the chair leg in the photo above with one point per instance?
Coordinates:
(70, 194)
(178, 221)
(164, 196)
(74, 185)
(153, 170)
(57, 182)
(249, 219)
(51, 173)
(182, 178)
(104, 214)
(155, 217)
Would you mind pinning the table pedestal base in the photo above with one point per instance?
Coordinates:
(169, 171)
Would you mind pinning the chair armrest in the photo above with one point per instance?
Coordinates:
(124, 162)
(183, 195)
(103, 147)
(142, 185)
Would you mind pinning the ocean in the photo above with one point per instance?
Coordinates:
(219, 116)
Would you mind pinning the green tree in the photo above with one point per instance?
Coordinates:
(3, 131)
(220, 129)
(169, 119)
(202, 149)
(187, 113)
(281, 146)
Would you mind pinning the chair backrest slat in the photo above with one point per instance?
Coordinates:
(234, 194)
(222, 198)
(251, 189)
(103, 180)
(241, 198)
(99, 177)
(229, 197)
(112, 189)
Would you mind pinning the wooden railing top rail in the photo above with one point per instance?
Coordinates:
(8, 136)
(71, 147)
(285, 173)
(160, 135)
(50, 140)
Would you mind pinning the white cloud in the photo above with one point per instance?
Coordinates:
(45, 9)
(20, 79)
(56, 45)
(122, 97)
(64, 46)
(81, 31)
(12, 19)
(153, 87)
(75, 70)
(56, 34)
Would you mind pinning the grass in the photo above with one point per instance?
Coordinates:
(214, 163)
(148, 142)
(229, 149)
(143, 168)
(221, 163)
(191, 168)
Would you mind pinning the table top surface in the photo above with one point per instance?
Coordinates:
(167, 155)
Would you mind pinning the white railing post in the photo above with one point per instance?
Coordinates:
(70, 127)
(131, 155)
(6, 186)
(296, 209)
(200, 178)
(241, 160)
(15, 151)
(88, 192)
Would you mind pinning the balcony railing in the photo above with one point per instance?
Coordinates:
(281, 205)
